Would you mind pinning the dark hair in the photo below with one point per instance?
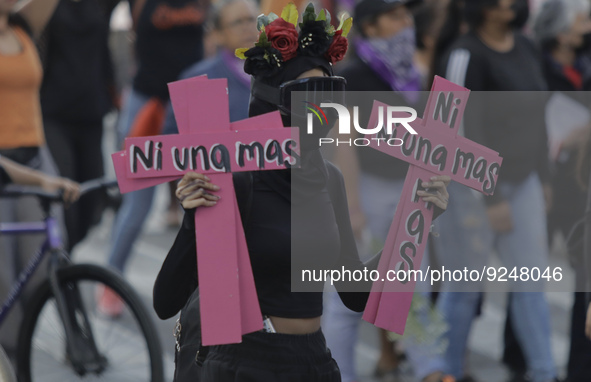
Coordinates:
(425, 16)
(449, 32)
(474, 11)
(373, 19)
(360, 26)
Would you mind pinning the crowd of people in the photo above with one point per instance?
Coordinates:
(57, 83)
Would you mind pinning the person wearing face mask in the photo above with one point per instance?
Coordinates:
(495, 56)
(383, 61)
(298, 218)
(560, 28)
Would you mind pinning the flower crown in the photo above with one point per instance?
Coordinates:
(279, 40)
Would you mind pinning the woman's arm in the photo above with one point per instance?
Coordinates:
(37, 14)
(177, 278)
(355, 294)
(26, 176)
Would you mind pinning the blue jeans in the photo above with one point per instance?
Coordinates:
(340, 325)
(135, 205)
(465, 241)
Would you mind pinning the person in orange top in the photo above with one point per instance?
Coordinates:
(21, 137)
(20, 73)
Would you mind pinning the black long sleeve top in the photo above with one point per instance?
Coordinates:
(285, 233)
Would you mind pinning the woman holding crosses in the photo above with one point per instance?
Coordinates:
(298, 213)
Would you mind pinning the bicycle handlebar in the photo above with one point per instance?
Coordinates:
(12, 191)
(96, 184)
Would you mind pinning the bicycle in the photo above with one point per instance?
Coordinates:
(63, 336)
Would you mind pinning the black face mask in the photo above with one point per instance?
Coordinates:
(521, 9)
(315, 91)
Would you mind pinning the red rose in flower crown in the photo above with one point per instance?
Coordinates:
(279, 40)
(337, 50)
(284, 37)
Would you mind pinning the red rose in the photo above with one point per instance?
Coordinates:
(283, 36)
(338, 48)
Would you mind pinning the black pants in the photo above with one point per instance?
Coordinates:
(272, 357)
(77, 152)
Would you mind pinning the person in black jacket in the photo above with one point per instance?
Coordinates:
(494, 56)
(383, 67)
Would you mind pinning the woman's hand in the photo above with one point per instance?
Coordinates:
(193, 191)
(437, 191)
(70, 188)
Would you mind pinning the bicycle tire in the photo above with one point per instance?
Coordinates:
(6, 372)
(79, 274)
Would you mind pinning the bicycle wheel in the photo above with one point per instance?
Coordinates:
(128, 347)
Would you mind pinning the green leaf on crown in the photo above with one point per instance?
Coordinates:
(262, 22)
(347, 26)
(240, 53)
(324, 15)
(342, 20)
(263, 41)
(272, 17)
(290, 14)
(309, 14)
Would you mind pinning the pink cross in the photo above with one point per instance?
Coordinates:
(436, 150)
(208, 143)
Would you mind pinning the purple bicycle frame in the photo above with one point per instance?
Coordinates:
(49, 227)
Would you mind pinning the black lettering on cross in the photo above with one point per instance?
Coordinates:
(437, 150)
(208, 143)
